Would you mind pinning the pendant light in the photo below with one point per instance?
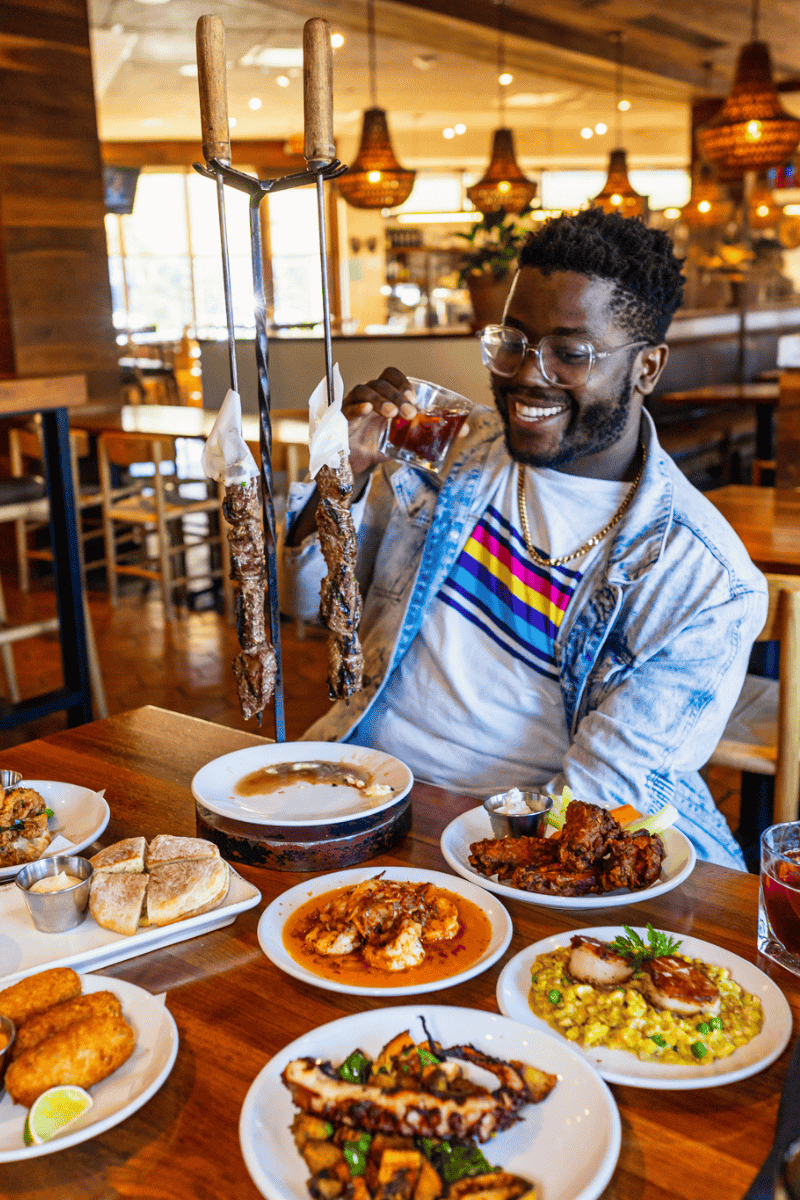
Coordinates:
(752, 131)
(618, 195)
(503, 184)
(706, 205)
(375, 178)
(763, 212)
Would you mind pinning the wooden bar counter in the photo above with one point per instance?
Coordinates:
(234, 1009)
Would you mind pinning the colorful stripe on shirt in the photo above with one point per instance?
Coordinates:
(495, 585)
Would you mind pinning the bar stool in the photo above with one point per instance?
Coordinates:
(26, 499)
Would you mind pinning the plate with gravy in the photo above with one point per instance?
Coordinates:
(301, 783)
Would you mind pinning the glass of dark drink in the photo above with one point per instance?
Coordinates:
(425, 440)
(779, 896)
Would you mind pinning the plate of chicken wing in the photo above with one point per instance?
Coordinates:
(592, 863)
(391, 931)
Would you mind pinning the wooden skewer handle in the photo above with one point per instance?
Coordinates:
(213, 90)
(319, 146)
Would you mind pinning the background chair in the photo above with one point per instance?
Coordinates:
(27, 458)
(177, 517)
(25, 500)
(763, 733)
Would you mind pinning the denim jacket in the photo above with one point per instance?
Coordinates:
(653, 648)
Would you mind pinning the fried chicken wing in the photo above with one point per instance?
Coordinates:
(634, 861)
(588, 833)
(500, 856)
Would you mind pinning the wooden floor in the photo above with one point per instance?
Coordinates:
(186, 667)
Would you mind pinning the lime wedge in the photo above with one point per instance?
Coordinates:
(54, 1112)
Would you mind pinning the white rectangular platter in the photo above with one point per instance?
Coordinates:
(24, 949)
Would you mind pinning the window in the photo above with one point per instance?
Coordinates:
(574, 189)
(165, 264)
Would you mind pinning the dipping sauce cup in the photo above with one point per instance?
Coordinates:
(779, 895)
(425, 440)
(7, 1036)
(55, 912)
(518, 813)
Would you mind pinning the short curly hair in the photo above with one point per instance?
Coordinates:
(640, 261)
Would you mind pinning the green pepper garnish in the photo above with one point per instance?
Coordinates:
(355, 1153)
(426, 1058)
(554, 996)
(698, 1049)
(356, 1068)
(658, 1039)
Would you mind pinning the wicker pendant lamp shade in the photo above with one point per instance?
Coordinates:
(706, 205)
(375, 178)
(503, 185)
(763, 212)
(752, 131)
(618, 195)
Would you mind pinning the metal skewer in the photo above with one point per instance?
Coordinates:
(319, 153)
(319, 149)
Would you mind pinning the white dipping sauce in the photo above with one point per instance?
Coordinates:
(54, 883)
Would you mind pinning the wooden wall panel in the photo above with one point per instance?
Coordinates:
(54, 257)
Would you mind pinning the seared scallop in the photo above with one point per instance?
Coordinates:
(592, 961)
(672, 983)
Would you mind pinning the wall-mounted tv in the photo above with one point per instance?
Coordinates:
(120, 188)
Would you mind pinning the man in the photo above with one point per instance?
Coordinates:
(561, 606)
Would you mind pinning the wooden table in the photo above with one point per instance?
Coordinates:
(234, 1009)
(768, 522)
(762, 396)
(54, 398)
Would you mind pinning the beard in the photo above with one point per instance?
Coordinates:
(593, 427)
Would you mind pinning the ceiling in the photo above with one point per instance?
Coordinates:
(437, 65)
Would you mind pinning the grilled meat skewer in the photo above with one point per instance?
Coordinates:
(340, 599)
(256, 666)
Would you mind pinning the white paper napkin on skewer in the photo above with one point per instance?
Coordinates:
(226, 455)
(328, 433)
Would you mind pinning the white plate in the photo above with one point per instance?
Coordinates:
(474, 825)
(619, 1066)
(79, 814)
(274, 918)
(25, 949)
(298, 803)
(116, 1097)
(568, 1144)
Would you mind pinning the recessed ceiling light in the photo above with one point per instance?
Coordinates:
(282, 80)
(505, 79)
(448, 133)
(254, 103)
(600, 128)
(232, 122)
(624, 105)
(337, 40)
(189, 70)
(586, 132)
(460, 128)
(281, 57)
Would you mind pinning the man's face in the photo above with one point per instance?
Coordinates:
(548, 426)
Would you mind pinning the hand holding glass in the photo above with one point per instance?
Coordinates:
(425, 439)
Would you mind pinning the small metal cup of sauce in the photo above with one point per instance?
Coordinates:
(9, 779)
(518, 813)
(56, 891)
(7, 1035)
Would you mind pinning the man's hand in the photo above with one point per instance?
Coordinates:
(368, 407)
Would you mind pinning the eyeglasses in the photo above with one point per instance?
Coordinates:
(563, 360)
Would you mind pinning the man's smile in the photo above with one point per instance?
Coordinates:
(529, 413)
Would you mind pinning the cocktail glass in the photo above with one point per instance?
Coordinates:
(425, 440)
(779, 895)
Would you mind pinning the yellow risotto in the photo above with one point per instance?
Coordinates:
(622, 1019)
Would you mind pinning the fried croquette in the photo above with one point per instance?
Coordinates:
(37, 993)
(82, 1054)
(35, 1030)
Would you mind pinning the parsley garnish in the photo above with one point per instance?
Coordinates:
(633, 947)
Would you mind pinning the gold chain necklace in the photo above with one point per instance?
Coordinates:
(538, 558)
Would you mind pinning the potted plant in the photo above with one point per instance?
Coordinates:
(487, 266)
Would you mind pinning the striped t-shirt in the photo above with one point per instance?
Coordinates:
(475, 704)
